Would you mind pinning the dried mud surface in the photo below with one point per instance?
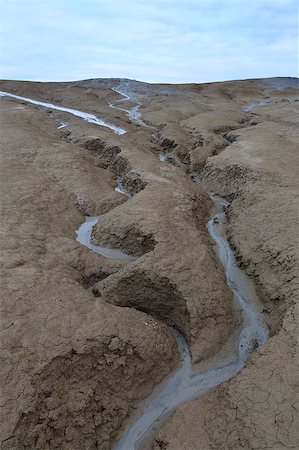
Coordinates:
(75, 366)
(258, 173)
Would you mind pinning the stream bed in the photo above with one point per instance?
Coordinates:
(91, 118)
(186, 384)
(84, 237)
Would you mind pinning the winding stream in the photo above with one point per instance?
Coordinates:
(91, 118)
(133, 113)
(84, 237)
(185, 384)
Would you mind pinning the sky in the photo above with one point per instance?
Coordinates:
(149, 40)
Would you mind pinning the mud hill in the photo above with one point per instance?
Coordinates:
(86, 338)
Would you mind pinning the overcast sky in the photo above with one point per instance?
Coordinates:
(149, 40)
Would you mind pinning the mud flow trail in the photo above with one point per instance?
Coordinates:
(186, 384)
(252, 105)
(133, 113)
(84, 237)
(91, 118)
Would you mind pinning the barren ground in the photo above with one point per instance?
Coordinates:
(75, 365)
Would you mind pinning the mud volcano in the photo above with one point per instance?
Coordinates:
(149, 268)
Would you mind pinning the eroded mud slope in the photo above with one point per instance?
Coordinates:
(258, 173)
(75, 363)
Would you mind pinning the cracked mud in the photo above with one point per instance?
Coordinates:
(76, 367)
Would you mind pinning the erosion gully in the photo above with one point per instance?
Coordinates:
(186, 383)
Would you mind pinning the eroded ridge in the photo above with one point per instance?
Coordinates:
(84, 237)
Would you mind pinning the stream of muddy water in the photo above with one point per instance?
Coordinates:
(134, 114)
(84, 237)
(186, 384)
(91, 118)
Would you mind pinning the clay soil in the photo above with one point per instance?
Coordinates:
(84, 339)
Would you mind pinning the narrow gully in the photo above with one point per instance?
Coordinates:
(84, 237)
(185, 384)
(133, 113)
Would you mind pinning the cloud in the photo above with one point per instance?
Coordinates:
(160, 40)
